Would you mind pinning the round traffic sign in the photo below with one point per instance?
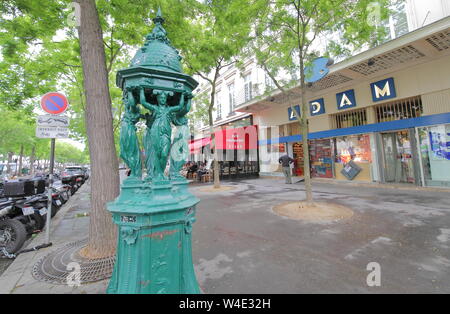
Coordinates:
(54, 103)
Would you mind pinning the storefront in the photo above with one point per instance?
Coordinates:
(386, 111)
(297, 153)
(237, 150)
(398, 156)
(435, 154)
(356, 148)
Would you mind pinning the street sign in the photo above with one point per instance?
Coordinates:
(52, 121)
(53, 127)
(54, 103)
(52, 132)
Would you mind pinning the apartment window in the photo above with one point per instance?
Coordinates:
(398, 19)
(248, 87)
(399, 110)
(269, 82)
(231, 97)
(218, 107)
(349, 119)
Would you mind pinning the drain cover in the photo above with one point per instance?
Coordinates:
(52, 268)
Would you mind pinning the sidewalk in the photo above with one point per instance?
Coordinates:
(70, 224)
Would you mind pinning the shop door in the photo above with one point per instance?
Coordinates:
(298, 157)
(398, 157)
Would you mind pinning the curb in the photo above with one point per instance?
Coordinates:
(370, 184)
(14, 273)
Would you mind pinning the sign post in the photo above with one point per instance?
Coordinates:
(52, 126)
(50, 191)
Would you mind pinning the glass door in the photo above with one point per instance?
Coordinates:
(398, 157)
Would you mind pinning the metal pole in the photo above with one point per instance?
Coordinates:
(50, 192)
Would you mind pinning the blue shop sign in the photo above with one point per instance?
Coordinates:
(382, 90)
(317, 107)
(291, 114)
(346, 99)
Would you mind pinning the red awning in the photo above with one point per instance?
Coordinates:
(237, 138)
(196, 145)
(232, 138)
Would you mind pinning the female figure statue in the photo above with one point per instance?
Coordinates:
(161, 130)
(180, 148)
(129, 144)
(149, 118)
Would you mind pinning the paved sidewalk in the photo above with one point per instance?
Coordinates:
(68, 225)
(241, 246)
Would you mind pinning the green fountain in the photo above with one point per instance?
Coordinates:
(155, 213)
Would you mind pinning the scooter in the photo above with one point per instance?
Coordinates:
(63, 190)
(18, 220)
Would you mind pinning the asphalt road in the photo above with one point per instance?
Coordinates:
(241, 246)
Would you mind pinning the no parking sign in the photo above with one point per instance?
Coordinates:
(54, 125)
(54, 103)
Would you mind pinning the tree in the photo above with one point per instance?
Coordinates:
(99, 125)
(221, 32)
(286, 39)
(31, 53)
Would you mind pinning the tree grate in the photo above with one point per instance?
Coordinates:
(53, 268)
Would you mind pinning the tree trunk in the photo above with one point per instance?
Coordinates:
(213, 142)
(99, 126)
(304, 131)
(216, 170)
(19, 169)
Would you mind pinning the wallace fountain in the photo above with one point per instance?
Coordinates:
(155, 213)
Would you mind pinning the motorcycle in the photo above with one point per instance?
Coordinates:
(19, 218)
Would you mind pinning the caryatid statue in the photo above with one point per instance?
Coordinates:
(129, 144)
(180, 148)
(161, 129)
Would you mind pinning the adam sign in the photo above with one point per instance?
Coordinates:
(382, 90)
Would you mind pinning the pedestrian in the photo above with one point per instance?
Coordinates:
(286, 162)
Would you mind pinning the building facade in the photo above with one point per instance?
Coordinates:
(237, 153)
(376, 109)
(387, 110)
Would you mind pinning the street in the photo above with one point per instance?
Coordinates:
(241, 246)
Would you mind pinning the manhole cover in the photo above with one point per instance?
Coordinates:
(52, 268)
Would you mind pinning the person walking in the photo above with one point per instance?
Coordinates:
(286, 162)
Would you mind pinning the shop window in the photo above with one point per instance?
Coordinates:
(355, 147)
(435, 154)
(349, 119)
(297, 149)
(321, 160)
(398, 110)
